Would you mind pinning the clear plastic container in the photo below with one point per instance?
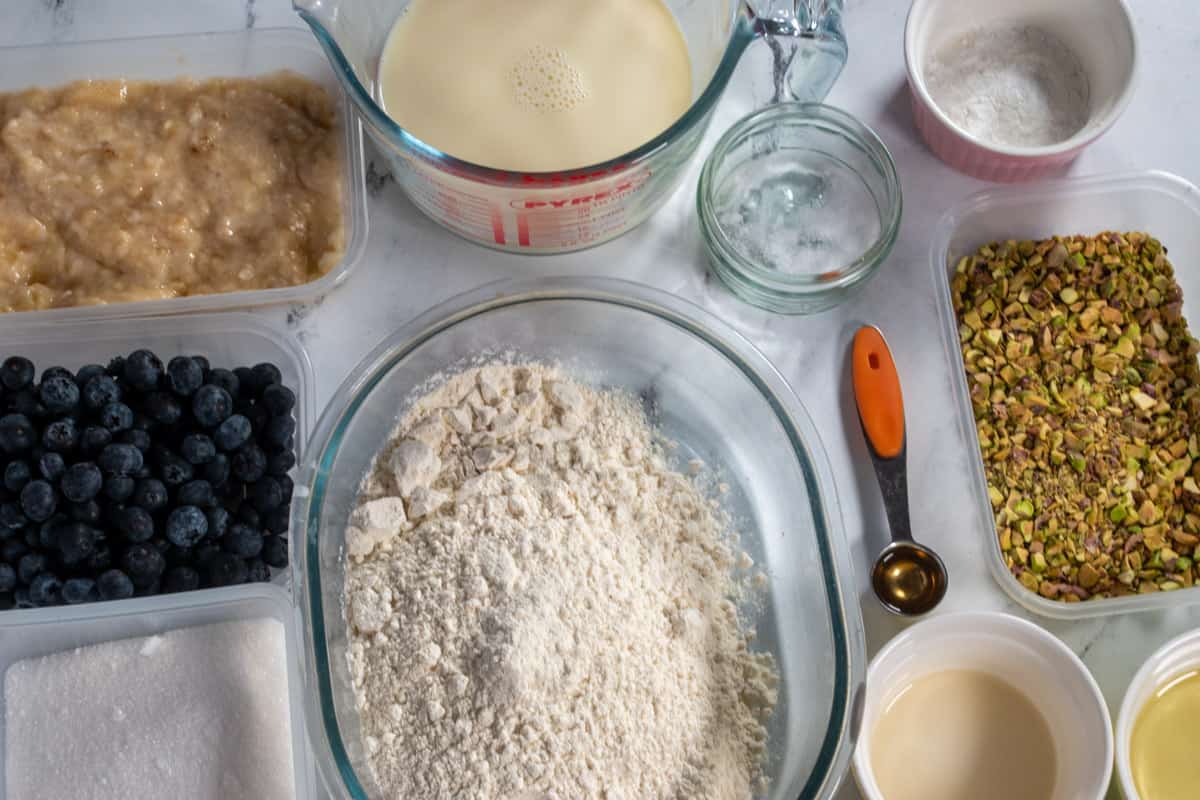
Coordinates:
(39, 632)
(711, 392)
(235, 54)
(1163, 205)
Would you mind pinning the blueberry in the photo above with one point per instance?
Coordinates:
(266, 495)
(203, 362)
(197, 448)
(88, 511)
(211, 405)
(11, 550)
(86, 373)
(45, 590)
(114, 585)
(116, 367)
(119, 488)
(218, 522)
(247, 386)
(258, 416)
(279, 430)
(204, 553)
(80, 590)
(57, 372)
(16, 433)
(26, 402)
(150, 494)
(181, 579)
(279, 400)
(277, 520)
(184, 375)
(59, 394)
(38, 500)
(139, 439)
(8, 578)
(136, 523)
(257, 571)
(143, 370)
(29, 566)
(186, 526)
(196, 493)
(61, 436)
(281, 463)
(216, 471)
(225, 380)
(51, 466)
(249, 463)
(265, 375)
(242, 540)
(100, 391)
(247, 515)
(94, 439)
(226, 569)
(275, 551)
(16, 373)
(75, 541)
(144, 563)
(120, 459)
(16, 475)
(116, 417)
(12, 518)
(233, 433)
(173, 470)
(163, 408)
(100, 559)
(81, 482)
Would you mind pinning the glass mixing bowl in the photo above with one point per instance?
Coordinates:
(704, 387)
(553, 212)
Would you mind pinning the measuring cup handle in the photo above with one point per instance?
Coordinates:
(808, 45)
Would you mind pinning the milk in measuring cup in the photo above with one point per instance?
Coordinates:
(535, 85)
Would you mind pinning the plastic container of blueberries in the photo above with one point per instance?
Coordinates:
(39, 632)
(233, 54)
(1159, 203)
(230, 339)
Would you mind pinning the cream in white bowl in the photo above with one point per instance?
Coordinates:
(1177, 659)
(985, 662)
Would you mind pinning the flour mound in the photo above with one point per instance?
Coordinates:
(541, 609)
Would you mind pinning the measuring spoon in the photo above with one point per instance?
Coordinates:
(908, 578)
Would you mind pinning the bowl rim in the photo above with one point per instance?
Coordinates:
(1000, 624)
(846, 625)
(1128, 714)
(1079, 140)
(802, 286)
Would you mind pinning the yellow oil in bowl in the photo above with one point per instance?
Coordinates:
(1162, 748)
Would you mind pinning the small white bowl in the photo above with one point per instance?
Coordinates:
(1102, 36)
(1018, 652)
(1174, 658)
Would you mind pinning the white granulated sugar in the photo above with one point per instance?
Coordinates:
(1020, 87)
(559, 622)
(192, 714)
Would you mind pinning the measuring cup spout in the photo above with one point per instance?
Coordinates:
(808, 45)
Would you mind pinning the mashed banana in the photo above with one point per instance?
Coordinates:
(115, 191)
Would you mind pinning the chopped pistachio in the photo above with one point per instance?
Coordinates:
(1086, 392)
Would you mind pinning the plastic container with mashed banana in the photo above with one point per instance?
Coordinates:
(238, 54)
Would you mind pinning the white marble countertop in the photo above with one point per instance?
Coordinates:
(411, 264)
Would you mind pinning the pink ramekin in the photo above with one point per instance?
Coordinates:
(1101, 34)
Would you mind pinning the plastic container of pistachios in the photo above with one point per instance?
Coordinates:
(1166, 207)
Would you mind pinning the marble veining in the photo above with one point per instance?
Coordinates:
(412, 264)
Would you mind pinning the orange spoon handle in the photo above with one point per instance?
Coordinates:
(877, 393)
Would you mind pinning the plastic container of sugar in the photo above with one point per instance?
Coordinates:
(199, 690)
(799, 204)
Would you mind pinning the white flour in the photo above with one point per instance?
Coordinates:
(1020, 87)
(550, 617)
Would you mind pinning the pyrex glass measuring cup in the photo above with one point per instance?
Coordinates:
(549, 212)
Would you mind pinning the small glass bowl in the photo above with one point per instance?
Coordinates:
(799, 204)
